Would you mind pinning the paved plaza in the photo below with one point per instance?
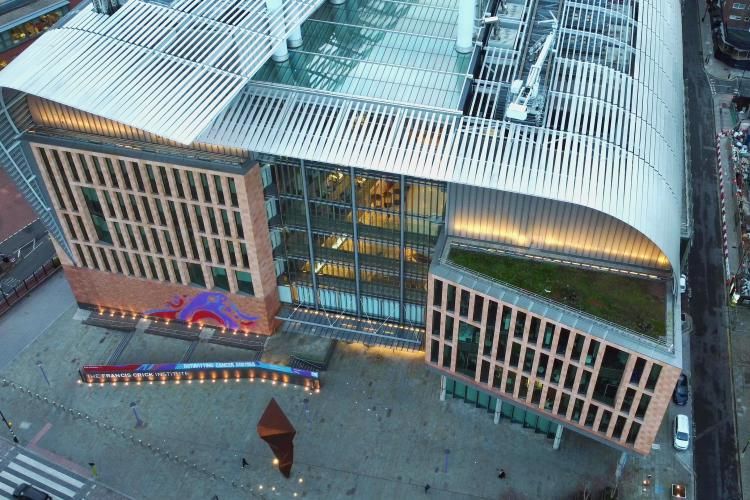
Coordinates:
(376, 430)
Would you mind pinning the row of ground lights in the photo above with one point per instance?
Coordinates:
(189, 380)
(126, 314)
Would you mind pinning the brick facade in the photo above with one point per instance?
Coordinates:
(136, 295)
(531, 368)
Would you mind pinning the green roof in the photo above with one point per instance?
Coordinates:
(638, 304)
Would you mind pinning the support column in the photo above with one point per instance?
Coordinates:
(281, 53)
(355, 241)
(558, 437)
(498, 409)
(308, 224)
(443, 383)
(295, 38)
(465, 26)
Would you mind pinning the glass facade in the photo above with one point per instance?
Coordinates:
(515, 414)
(352, 241)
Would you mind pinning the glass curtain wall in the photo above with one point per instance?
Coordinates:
(349, 240)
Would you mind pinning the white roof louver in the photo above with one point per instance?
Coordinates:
(166, 70)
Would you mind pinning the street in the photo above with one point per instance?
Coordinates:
(715, 444)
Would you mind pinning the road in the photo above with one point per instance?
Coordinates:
(715, 444)
(32, 247)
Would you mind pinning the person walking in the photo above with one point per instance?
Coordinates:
(244, 463)
(426, 488)
(501, 474)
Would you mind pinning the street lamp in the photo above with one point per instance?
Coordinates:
(138, 422)
(10, 427)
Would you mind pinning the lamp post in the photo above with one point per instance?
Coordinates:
(10, 427)
(138, 422)
(44, 374)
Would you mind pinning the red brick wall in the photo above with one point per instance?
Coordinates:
(137, 295)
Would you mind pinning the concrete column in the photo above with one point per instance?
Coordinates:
(443, 383)
(558, 437)
(295, 38)
(281, 53)
(498, 410)
(465, 26)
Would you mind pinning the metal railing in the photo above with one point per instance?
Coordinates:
(8, 299)
(632, 334)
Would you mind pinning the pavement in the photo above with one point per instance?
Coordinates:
(376, 430)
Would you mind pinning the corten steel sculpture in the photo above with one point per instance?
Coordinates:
(276, 430)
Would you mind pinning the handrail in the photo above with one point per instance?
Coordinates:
(622, 329)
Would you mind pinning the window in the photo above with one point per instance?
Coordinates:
(497, 377)
(219, 189)
(520, 322)
(451, 298)
(528, 360)
(233, 192)
(556, 371)
(447, 355)
(434, 351)
(562, 344)
(478, 304)
(738, 6)
(619, 426)
(604, 421)
(221, 280)
(549, 399)
(577, 348)
(515, 354)
(590, 416)
(627, 401)
(510, 382)
(564, 402)
(635, 428)
(640, 365)
(484, 372)
(653, 377)
(640, 412)
(583, 385)
(534, 326)
(577, 408)
(465, 297)
(549, 334)
(541, 368)
(195, 272)
(523, 389)
(97, 215)
(468, 346)
(437, 291)
(570, 377)
(244, 282)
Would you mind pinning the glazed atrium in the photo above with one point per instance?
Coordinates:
(497, 183)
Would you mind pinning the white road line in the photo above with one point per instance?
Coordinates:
(10, 477)
(4, 487)
(43, 480)
(49, 470)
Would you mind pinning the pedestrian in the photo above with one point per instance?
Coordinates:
(426, 488)
(244, 463)
(501, 474)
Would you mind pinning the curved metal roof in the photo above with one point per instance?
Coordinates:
(168, 70)
(609, 137)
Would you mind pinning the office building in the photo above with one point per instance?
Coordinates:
(497, 183)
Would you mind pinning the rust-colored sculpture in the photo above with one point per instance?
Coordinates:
(276, 430)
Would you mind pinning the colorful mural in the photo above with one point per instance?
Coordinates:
(209, 307)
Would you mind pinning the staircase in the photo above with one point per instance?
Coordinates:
(15, 119)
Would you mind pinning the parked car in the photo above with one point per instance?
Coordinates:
(25, 491)
(683, 283)
(681, 393)
(681, 432)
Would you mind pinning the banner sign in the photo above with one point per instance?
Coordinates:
(199, 372)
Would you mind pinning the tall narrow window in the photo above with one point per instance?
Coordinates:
(97, 215)
(221, 280)
(195, 272)
(244, 282)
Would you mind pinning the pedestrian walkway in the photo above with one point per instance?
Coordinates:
(21, 467)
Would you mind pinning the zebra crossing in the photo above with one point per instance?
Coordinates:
(24, 468)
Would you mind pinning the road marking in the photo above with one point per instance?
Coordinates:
(39, 435)
(43, 480)
(49, 470)
(4, 487)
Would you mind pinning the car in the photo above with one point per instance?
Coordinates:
(681, 432)
(683, 283)
(25, 491)
(681, 392)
